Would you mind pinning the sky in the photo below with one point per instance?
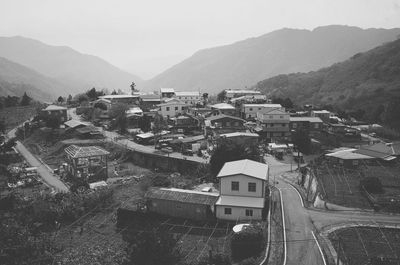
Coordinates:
(146, 37)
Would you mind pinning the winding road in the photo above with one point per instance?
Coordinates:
(301, 223)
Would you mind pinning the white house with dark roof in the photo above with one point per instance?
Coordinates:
(242, 190)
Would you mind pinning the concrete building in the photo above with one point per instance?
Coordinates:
(181, 203)
(123, 99)
(249, 111)
(189, 97)
(224, 124)
(274, 125)
(245, 138)
(313, 125)
(172, 108)
(242, 190)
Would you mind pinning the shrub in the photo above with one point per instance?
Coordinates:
(247, 243)
(372, 184)
(161, 181)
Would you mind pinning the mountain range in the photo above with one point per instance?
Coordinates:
(63, 70)
(246, 62)
(367, 81)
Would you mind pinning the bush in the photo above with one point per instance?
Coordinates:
(247, 243)
(372, 184)
(161, 181)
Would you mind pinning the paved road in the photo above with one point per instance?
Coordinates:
(138, 147)
(42, 169)
(300, 222)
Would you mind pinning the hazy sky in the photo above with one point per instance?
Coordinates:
(146, 37)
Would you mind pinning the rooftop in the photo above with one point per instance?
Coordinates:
(118, 96)
(85, 151)
(74, 123)
(187, 93)
(263, 105)
(321, 111)
(309, 119)
(246, 167)
(237, 134)
(54, 107)
(239, 201)
(348, 154)
(167, 90)
(242, 91)
(222, 106)
(221, 116)
(181, 195)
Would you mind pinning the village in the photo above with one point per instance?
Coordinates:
(204, 168)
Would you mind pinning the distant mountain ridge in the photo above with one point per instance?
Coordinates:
(15, 79)
(75, 71)
(366, 81)
(283, 51)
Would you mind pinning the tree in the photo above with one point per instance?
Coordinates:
(53, 122)
(25, 100)
(287, 103)
(159, 124)
(3, 126)
(82, 98)
(100, 105)
(228, 150)
(302, 141)
(7, 146)
(221, 96)
(60, 99)
(152, 248)
(114, 92)
(391, 116)
(69, 99)
(133, 88)
(247, 243)
(11, 101)
(145, 123)
(118, 112)
(93, 94)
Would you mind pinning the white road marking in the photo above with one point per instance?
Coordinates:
(319, 247)
(284, 229)
(298, 193)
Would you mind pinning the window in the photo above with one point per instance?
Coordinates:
(235, 185)
(316, 125)
(252, 187)
(259, 108)
(251, 109)
(183, 108)
(228, 124)
(167, 108)
(281, 117)
(249, 212)
(228, 210)
(176, 108)
(236, 123)
(294, 125)
(355, 162)
(271, 117)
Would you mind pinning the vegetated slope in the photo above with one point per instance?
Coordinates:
(15, 79)
(365, 81)
(74, 70)
(283, 51)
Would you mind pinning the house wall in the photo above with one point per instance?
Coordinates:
(180, 209)
(238, 213)
(60, 114)
(225, 184)
(171, 111)
(250, 112)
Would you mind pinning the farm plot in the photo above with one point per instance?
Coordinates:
(367, 245)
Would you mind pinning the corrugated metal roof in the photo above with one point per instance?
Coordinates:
(221, 116)
(54, 107)
(167, 90)
(309, 119)
(74, 123)
(118, 96)
(239, 201)
(237, 134)
(222, 106)
(348, 154)
(267, 105)
(246, 167)
(180, 195)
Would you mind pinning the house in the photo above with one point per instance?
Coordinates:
(105, 109)
(122, 99)
(224, 124)
(324, 115)
(144, 138)
(189, 97)
(250, 99)
(184, 123)
(384, 151)
(54, 111)
(167, 92)
(88, 163)
(242, 137)
(149, 101)
(312, 125)
(134, 112)
(348, 158)
(199, 111)
(242, 190)
(249, 111)
(223, 108)
(188, 204)
(172, 108)
(273, 125)
(232, 93)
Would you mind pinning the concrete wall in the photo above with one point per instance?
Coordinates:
(243, 186)
(238, 213)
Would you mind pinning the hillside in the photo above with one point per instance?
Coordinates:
(74, 70)
(365, 81)
(283, 51)
(15, 79)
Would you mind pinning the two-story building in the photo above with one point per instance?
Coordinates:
(172, 108)
(249, 111)
(189, 97)
(313, 125)
(224, 124)
(242, 190)
(54, 111)
(273, 125)
(184, 123)
(149, 101)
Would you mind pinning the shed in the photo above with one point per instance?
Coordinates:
(181, 203)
